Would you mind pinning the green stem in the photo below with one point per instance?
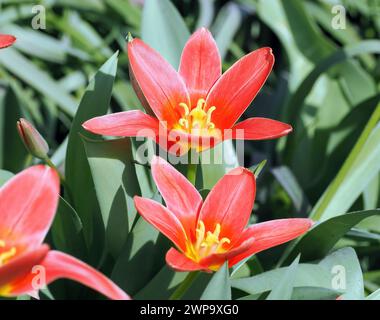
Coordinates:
(184, 286)
(28, 160)
(192, 172)
(192, 169)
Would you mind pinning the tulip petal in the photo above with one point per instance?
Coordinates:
(270, 234)
(6, 40)
(162, 219)
(200, 64)
(180, 196)
(260, 129)
(58, 265)
(238, 86)
(179, 262)
(230, 203)
(20, 266)
(161, 85)
(28, 203)
(133, 123)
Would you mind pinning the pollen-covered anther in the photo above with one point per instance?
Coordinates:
(6, 255)
(198, 118)
(208, 242)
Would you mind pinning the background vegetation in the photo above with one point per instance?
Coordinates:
(325, 83)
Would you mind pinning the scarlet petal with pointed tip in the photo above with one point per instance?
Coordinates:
(272, 233)
(238, 86)
(180, 196)
(124, 124)
(162, 219)
(28, 203)
(59, 265)
(200, 64)
(162, 86)
(260, 129)
(6, 40)
(230, 203)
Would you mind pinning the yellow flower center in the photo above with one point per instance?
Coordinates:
(206, 243)
(196, 120)
(6, 254)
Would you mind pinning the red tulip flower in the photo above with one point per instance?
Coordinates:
(6, 40)
(206, 234)
(197, 104)
(28, 203)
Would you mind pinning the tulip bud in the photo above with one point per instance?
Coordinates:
(32, 139)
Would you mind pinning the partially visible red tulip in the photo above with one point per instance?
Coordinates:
(197, 104)
(6, 40)
(32, 139)
(28, 203)
(206, 234)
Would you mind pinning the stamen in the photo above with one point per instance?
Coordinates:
(200, 234)
(206, 242)
(201, 103)
(7, 254)
(185, 107)
(184, 123)
(196, 118)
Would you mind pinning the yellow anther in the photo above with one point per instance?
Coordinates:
(206, 242)
(201, 102)
(200, 234)
(185, 107)
(4, 256)
(184, 123)
(197, 118)
(209, 112)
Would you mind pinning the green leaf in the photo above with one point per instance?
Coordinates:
(314, 293)
(284, 288)
(12, 151)
(326, 234)
(256, 169)
(308, 275)
(346, 273)
(5, 176)
(216, 162)
(162, 285)
(164, 29)
(226, 25)
(143, 255)
(116, 184)
(206, 13)
(374, 295)
(67, 230)
(95, 102)
(371, 193)
(290, 184)
(219, 287)
(359, 169)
